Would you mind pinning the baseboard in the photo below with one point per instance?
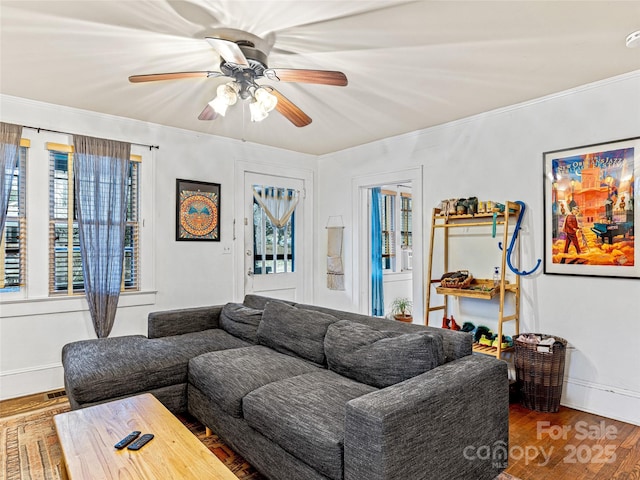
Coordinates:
(27, 381)
(603, 400)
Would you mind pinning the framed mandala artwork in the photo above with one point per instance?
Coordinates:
(197, 211)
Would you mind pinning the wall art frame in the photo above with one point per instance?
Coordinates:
(591, 209)
(197, 211)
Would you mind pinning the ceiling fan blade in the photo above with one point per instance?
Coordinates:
(208, 113)
(290, 110)
(228, 50)
(153, 77)
(324, 77)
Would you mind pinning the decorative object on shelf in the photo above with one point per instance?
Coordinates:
(478, 288)
(480, 332)
(461, 206)
(514, 237)
(450, 323)
(457, 279)
(468, 327)
(335, 268)
(490, 339)
(591, 209)
(197, 211)
(486, 340)
(401, 309)
(507, 342)
(472, 205)
(447, 207)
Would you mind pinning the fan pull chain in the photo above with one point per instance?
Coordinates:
(243, 120)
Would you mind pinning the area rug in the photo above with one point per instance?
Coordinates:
(29, 448)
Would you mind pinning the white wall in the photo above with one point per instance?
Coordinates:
(498, 155)
(495, 155)
(396, 285)
(174, 274)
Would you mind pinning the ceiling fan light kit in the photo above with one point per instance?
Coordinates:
(263, 102)
(245, 64)
(227, 94)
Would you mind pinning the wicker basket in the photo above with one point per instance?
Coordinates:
(540, 374)
(459, 279)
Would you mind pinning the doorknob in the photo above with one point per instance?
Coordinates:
(250, 273)
(249, 253)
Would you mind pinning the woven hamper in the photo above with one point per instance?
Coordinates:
(540, 374)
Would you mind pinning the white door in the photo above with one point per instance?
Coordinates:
(273, 236)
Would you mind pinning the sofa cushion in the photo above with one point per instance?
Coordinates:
(294, 331)
(456, 344)
(259, 301)
(227, 376)
(105, 368)
(380, 358)
(305, 416)
(241, 321)
(182, 320)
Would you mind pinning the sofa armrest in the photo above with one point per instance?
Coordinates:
(183, 320)
(450, 422)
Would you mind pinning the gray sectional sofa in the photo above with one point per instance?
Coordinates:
(305, 392)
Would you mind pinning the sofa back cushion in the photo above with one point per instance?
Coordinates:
(259, 301)
(456, 344)
(241, 321)
(294, 331)
(380, 358)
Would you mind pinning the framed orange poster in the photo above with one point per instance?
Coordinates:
(197, 211)
(591, 209)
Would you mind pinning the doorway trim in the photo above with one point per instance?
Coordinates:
(360, 187)
(309, 245)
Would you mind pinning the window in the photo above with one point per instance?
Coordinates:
(13, 242)
(396, 224)
(406, 236)
(273, 247)
(65, 261)
(388, 224)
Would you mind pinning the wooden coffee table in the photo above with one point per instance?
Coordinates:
(87, 437)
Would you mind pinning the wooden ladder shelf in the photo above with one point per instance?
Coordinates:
(479, 288)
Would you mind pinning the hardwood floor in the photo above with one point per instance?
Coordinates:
(566, 445)
(28, 403)
(571, 444)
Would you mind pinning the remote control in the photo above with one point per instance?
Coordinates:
(142, 441)
(127, 440)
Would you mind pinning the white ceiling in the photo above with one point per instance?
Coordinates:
(410, 65)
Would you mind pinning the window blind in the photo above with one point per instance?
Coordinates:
(64, 247)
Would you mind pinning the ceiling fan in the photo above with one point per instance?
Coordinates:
(244, 62)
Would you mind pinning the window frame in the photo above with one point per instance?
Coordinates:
(133, 223)
(397, 228)
(286, 233)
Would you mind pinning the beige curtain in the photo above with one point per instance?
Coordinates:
(278, 204)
